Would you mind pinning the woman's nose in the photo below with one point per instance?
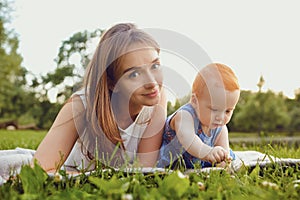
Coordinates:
(150, 81)
(150, 85)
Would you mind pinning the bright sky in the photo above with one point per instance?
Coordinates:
(253, 37)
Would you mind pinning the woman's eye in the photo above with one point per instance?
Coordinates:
(134, 74)
(155, 66)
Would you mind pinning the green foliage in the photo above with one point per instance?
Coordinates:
(261, 112)
(270, 182)
(67, 77)
(13, 96)
(295, 119)
(30, 104)
(33, 179)
(59, 75)
(113, 187)
(171, 109)
(294, 113)
(174, 186)
(178, 104)
(18, 102)
(77, 43)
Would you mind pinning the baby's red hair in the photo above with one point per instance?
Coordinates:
(215, 71)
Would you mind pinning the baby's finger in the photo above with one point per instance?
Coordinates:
(212, 159)
(228, 157)
(218, 156)
(222, 155)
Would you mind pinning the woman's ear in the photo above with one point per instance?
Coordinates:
(111, 85)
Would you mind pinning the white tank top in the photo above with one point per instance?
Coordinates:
(131, 137)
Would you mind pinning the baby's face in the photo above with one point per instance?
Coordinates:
(216, 105)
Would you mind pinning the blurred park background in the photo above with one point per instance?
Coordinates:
(25, 101)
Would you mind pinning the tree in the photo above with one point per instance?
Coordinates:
(245, 95)
(14, 100)
(67, 76)
(293, 106)
(78, 43)
(171, 109)
(262, 112)
(178, 103)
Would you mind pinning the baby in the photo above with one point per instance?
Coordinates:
(197, 131)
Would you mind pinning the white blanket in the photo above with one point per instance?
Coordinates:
(11, 161)
(252, 158)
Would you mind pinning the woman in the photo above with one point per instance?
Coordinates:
(118, 116)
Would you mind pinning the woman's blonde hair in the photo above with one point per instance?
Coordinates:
(215, 71)
(100, 77)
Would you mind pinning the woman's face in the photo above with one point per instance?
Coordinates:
(139, 78)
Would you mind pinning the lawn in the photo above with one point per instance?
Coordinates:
(271, 182)
(20, 138)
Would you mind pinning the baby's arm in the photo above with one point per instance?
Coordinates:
(223, 141)
(183, 124)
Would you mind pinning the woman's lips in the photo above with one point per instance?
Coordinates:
(152, 94)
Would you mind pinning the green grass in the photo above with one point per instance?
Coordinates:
(263, 134)
(20, 138)
(272, 182)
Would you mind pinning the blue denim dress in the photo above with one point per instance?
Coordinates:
(172, 151)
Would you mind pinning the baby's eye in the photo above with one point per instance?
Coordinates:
(228, 111)
(155, 66)
(213, 109)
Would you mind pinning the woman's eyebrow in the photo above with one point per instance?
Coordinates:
(130, 69)
(137, 67)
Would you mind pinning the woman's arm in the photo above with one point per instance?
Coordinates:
(149, 145)
(57, 144)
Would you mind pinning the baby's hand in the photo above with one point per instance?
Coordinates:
(226, 163)
(217, 155)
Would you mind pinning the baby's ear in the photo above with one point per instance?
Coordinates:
(194, 99)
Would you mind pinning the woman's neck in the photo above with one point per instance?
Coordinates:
(125, 113)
